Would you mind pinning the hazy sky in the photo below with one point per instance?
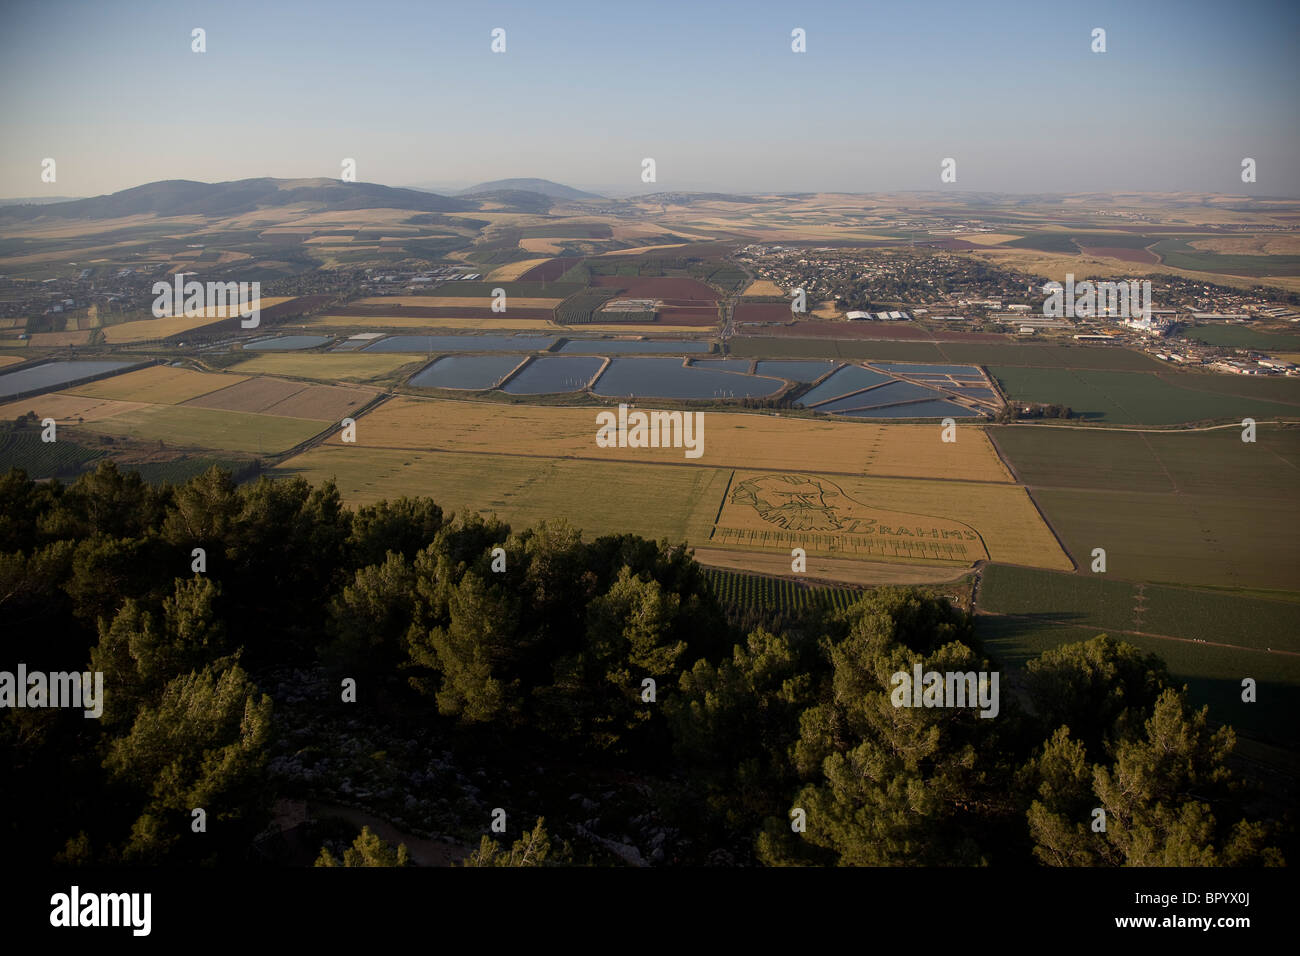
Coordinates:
(710, 90)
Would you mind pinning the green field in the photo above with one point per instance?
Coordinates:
(745, 592)
(1194, 508)
(1097, 601)
(182, 469)
(1203, 540)
(1179, 255)
(209, 428)
(1214, 462)
(327, 366)
(1212, 674)
(1241, 336)
(654, 501)
(1069, 242)
(1131, 398)
(1011, 353)
(25, 450)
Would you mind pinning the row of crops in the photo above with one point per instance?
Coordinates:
(580, 308)
(56, 459)
(740, 591)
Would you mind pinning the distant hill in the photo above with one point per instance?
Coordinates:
(183, 197)
(36, 200)
(518, 200)
(543, 186)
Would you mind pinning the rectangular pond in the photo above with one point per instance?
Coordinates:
(465, 371)
(935, 409)
(54, 375)
(668, 378)
(794, 370)
(848, 379)
(554, 373)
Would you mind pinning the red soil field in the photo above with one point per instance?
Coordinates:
(687, 316)
(764, 312)
(671, 289)
(1116, 252)
(549, 271)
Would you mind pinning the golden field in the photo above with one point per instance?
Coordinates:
(731, 440)
(158, 385)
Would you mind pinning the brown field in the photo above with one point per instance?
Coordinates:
(158, 385)
(10, 360)
(764, 312)
(690, 291)
(43, 339)
(65, 407)
(544, 246)
(437, 312)
(1121, 253)
(988, 238)
(397, 304)
(731, 440)
(694, 318)
(550, 270)
(374, 322)
(512, 270)
(763, 287)
(272, 396)
(139, 330)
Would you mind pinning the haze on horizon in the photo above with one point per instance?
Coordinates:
(714, 94)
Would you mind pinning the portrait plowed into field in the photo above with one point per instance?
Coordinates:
(782, 510)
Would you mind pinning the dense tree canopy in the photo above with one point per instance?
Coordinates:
(780, 742)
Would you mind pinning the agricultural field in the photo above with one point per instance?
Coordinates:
(328, 366)
(25, 450)
(158, 385)
(1008, 353)
(141, 330)
(65, 407)
(730, 440)
(1241, 336)
(396, 303)
(1132, 398)
(745, 592)
(654, 501)
(916, 521)
(763, 287)
(271, 396)
(180, 426)
(372, 323)
(432, 447)
(1199, 508)
(1110, 605)
(1214, 462)
(1212, 674)
(10, 360)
